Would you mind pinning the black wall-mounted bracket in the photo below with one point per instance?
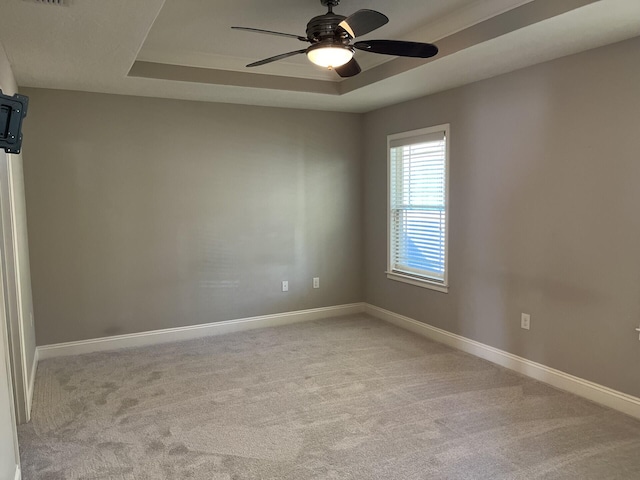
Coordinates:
(12, 111)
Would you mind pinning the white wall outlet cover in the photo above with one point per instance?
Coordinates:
(285, 286)
(316, 282)
(525, 321)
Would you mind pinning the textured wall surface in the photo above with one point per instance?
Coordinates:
(543, 213)
(149, 213)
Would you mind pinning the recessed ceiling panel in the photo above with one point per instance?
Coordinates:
(197, 32)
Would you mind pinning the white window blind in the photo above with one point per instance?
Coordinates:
(418, 205)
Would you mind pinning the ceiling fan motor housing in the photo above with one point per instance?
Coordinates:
(325, 29)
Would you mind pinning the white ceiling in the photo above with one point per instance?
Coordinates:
(185, 48)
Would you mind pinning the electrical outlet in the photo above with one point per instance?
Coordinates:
(316, 282)
(285, 286)
(525, 321)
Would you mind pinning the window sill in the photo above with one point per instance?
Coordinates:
(438, 287)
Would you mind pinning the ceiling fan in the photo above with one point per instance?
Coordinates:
(330, 36)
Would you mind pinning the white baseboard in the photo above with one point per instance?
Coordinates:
(592, 391)
(18, 475)
(578, 386)
(194, 331)
(32, 382)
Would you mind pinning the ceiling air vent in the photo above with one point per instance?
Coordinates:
(61, 3)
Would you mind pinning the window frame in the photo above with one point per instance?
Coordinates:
(417, 280)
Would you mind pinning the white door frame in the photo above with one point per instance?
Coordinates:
(11, 299)
(5, 362)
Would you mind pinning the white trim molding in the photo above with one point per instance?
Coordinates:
(178, 334)
(32, 382)
(401, 270)
(18, 475)
(591, 391)
(418, 282)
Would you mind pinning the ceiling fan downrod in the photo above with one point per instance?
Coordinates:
(330, 4)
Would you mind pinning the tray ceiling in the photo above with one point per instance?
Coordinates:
(185, 48)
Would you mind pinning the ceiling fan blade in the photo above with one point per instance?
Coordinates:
(363, 22)
(398, 48)
(349, 69)
(269, 32)
(276, 58)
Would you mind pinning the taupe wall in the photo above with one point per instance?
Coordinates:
(545, 198)
(148, 213)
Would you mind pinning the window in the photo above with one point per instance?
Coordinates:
(418, 207)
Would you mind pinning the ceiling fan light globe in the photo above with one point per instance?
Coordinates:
(330, 56)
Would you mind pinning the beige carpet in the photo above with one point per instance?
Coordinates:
(343, 398)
